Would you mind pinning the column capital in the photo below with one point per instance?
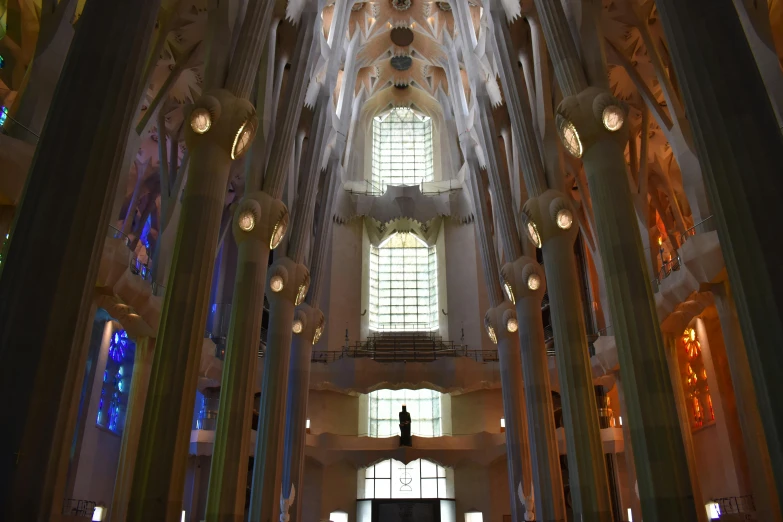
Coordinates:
(590, 117)
(309, 323)
(260, 217)
(548, 216)
(523, 278)
(501, 322)
(287, 280)
(220, 118)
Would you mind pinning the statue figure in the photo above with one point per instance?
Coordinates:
(286, 503)
(405, 428)
(528, 502)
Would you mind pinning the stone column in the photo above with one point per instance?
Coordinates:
(509, 238)
(288, 282)
(591, 124)
(142, 368)
(549, 218)
(308, 326)
(219, 128)
(736, 133)
(525, 285)
(299, 373)
(636, 507)
(259, 224)
(761, 473)
(501, 324)
(52, 262)
(550, 223)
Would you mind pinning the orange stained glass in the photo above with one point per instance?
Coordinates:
(697, 415)
(691, 379)
(691, 343)
(694, 379)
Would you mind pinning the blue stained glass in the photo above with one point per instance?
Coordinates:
(145, 240)
(3, 115)
(118, 345)
(116, 381)
(2, 62)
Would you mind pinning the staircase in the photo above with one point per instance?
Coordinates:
(406, 346)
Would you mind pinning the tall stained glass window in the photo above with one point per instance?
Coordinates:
(694, 375)
(391, 478)
(113, 403)
(401, 148)
(423, 405)
(403, 285)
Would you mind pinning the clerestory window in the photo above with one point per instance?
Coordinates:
(423, 405)
(401, 148)
(403, 285)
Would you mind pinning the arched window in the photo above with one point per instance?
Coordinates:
(393, 479)
(401, 148)
(113, 403)
(403, 285)
(423, 405)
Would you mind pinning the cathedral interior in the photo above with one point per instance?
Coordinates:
(391, 260)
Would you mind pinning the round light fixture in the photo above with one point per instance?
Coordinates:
(297, 327)
(247, 220)
(532, 231)
(613, 118)
(276, 283)
(492, 336)
(200, 121)
(278, 233)
(512, 325)
(569, 136)
(534, 282)
(509, 292)
(565, 219)
(242, 140)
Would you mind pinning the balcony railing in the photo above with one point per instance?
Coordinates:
(418, 356)
(434, 188)
(731, 505)
(137, 267)
(5, 129)
(365, 187)
(78, 508)
(368, 187)
(702, 227)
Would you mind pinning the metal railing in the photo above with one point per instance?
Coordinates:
(137, 267)
(329, 356)
(5, 128)
(368, 187)
(434, 188)
(670, 266)
(730, 505)
(702, 227)
(608, 332)
(365, 187)
(75, 507)
(116, 233)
